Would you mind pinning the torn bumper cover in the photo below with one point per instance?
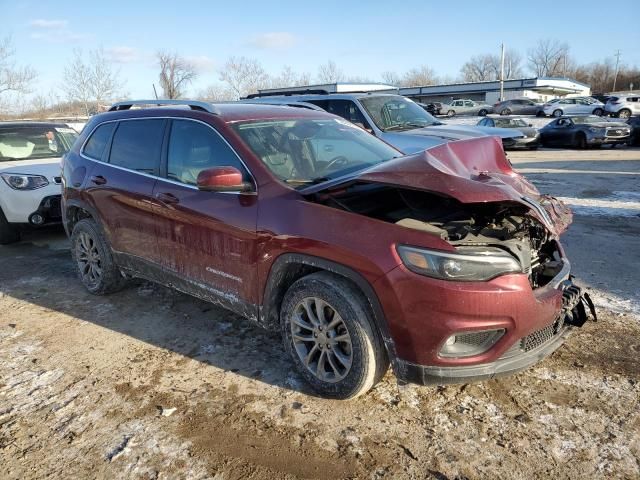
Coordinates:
(529, 350)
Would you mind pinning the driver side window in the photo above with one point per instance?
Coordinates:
(194, 147)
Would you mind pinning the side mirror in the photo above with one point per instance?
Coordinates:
(222, 179)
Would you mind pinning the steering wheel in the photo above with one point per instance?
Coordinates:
(339, 160)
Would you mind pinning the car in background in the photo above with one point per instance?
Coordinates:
(623, 106)
(583, 132)
(602, 98)
(518, 106)
(531, 136)
(465, 107)
(446, 264)
(30, 155)
(432, 108)
(634, 124)
(395, 119)
(573, 106)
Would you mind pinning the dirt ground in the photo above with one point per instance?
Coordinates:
(150, 383)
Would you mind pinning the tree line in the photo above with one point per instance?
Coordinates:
(90, 81)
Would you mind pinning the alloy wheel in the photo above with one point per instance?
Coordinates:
(321, 340)
(88, 258)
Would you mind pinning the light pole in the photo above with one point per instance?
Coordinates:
(615, 76)
(502, 72)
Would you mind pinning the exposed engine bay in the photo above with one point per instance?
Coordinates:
(508, 226)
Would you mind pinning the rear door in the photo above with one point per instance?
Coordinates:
(206, 239)
(528, 107)
(120, 188)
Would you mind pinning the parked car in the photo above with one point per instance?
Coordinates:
(309, 226)
(518, 106)
(602, 98)
(634, 124)
(582, 132)
(531, 137)
(465, 107)
(432, 108)
(30, 169)
(623, 106)
(573, 106)
(393, 118)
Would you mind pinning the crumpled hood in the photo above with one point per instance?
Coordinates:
(471, 171)
(463, 132)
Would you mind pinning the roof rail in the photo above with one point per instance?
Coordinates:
(286, 93)
(193, 104)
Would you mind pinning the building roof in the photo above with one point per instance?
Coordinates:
(339, 87)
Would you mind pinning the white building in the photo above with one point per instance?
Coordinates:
(537, 88)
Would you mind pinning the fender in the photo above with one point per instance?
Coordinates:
(282, 274)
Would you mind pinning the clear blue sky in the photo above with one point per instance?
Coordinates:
(363, 38)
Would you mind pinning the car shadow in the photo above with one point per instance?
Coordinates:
(150, 313)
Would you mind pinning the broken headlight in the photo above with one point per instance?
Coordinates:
(468, 264)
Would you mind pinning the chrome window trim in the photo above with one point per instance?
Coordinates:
(193, 187)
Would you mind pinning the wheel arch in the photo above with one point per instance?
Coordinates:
(74, 211)
(289, 267)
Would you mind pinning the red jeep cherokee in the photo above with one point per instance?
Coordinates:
(445, 263)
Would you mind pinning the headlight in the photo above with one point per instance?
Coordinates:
(468, 264)
(19, 181)
(596, 130)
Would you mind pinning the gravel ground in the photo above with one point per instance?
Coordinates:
(149, 383)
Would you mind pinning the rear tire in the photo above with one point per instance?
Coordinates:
(599, 112)
(92, 256)
(624, 113)
(8, 233)
(557, 113)
(506, 111)
(329, 331)
(450, 113)
(482, 113)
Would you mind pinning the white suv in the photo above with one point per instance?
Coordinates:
(30, 188)
(623, 106)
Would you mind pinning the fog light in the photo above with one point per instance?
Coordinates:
(36, 219)
(470, 343)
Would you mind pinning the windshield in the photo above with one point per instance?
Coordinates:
(305, 151)
(33, 142)
(396, 113)
(510, 122)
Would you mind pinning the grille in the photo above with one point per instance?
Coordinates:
(617, 132)
(538, 338)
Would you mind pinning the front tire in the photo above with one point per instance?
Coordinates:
(557, 113)
(92, 255)
(482, 113)
(581, 141)
(506, 111)
(8, 233)
(450, 113)
(599, 112)
(328, 330)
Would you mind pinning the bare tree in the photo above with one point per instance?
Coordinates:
(217, 93)
(419, 76)
(512, 64)
(175, 74)
(243, 76)
(12, 77)
(479, 68)
(391, 78)
(288, 78)
(330, 73)
(90, 81)
(549, 58)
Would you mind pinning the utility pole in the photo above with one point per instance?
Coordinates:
(615, 76)
(502, 73)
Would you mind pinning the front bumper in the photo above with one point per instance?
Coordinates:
(608, 140)
(19, 205)
(517, 143)
(523, 354)
(422, 313)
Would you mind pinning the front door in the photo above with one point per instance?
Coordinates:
(206, 239)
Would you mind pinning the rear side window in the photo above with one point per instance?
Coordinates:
(137, 145)
(95, 146)
(194, 147)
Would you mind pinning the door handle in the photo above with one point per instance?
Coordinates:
(167, 198)
(98, 180)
